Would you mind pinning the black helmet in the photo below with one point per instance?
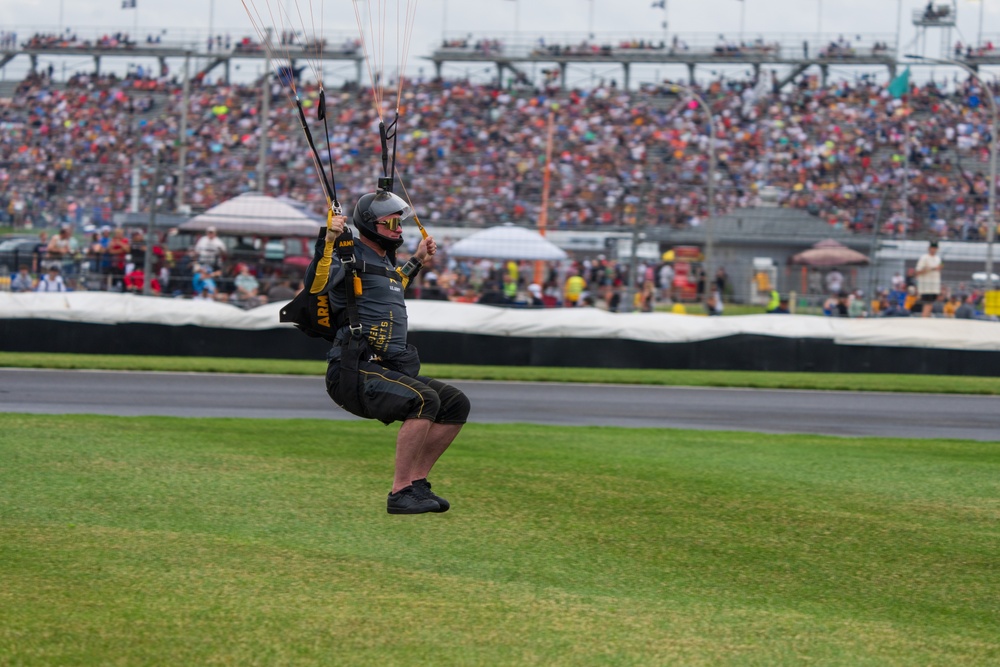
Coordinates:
(373, 206)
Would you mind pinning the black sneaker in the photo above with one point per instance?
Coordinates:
(424, 487)
(411, 501)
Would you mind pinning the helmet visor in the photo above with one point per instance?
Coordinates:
(387, 203)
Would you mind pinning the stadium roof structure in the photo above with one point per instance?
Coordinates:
(254, 214)
(763, 226)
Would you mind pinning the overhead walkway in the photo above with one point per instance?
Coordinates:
(799, 52)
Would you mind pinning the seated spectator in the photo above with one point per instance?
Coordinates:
(136, 279)
(782, 308)
(535, 296)
(431, 290)
(22, 281)
(52, 281)
(203, 282)
(247, 289)
(966, 310)
(281, 290)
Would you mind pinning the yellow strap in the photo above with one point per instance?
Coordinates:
(323, 266)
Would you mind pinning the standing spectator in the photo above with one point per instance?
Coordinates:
(667, 282)
(928, 274)
(721, 278)
(22, 281)
(51, 281)
(137, 249)
(644, 300)
(575, 285)
(210, 250)
(834, 282)
(38, 256)
(118, 249)
(61, 248)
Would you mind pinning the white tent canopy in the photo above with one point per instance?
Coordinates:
(254, 214)
(507, 242)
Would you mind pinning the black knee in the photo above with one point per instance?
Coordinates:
(455, 406)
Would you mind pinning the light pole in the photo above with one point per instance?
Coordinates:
(710, 205)
(991, 231)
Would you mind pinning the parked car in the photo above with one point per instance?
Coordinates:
(15, 251)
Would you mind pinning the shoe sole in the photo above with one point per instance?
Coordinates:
(413, 510)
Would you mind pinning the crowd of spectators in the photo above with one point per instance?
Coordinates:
(69, 40)
(474, 154)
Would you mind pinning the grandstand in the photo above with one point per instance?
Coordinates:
(845, 159)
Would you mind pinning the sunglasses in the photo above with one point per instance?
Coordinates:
(392, 224)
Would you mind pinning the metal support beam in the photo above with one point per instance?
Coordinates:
(210, 66)
(791, 75)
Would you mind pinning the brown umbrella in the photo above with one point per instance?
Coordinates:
(829, 253)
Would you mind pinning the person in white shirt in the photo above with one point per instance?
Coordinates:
(929, 278)
(209, 250)
(51, 281)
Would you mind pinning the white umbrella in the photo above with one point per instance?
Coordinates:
(254, 214)
(507, 242)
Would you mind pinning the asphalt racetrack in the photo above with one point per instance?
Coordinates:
(280, 396)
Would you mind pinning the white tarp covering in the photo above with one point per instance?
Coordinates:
(108, 308)
(254, 214)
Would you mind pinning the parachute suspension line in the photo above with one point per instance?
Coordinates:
(411, 15)
(292, 94)
(315, 63)
(368, 58)
(373, 45)
(329, 149)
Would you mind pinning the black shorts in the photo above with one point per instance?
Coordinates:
(928, 298)
(389, 396)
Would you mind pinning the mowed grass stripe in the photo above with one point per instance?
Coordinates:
(938, 384)
(214, 541)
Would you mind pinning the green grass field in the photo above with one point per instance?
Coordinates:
(167, 541)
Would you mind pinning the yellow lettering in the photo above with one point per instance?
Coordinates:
(324, 322)
(322, 312)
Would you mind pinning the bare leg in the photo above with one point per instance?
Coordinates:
(409, 447)
(439, 437)
(927, 310)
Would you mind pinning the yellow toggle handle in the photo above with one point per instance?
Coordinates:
(323, 265)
